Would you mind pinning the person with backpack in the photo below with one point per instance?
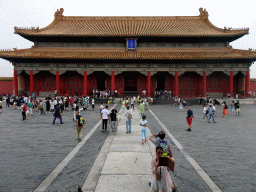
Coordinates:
(80, 122)
(23, 111)
(114, 120)
(162, 143)
(144, 125)
(128, 115)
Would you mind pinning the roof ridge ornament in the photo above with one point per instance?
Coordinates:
(203, 13)
(59, 13)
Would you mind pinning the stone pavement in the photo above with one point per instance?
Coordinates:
(123, 163)
(225, 150)
(31, 150)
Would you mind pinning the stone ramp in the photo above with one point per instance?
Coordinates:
(123, 163)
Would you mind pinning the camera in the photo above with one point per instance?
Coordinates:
(157, 135)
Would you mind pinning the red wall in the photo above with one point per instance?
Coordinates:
(6, 87)
(252, 86)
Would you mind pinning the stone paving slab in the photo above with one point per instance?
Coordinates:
(124, 183)
(130, 163)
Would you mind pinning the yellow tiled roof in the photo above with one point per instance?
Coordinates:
(179, 26)
(123, 54)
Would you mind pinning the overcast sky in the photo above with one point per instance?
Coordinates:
(34, 13)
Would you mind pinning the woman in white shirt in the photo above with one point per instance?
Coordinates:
(205, 112)
(144, 125)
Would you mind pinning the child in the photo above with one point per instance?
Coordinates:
(41, 109)
(144, 125)
(232, 107)
(181, 106)
(114, 119)
(205, 110)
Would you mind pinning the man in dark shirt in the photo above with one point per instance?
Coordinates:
(79, 126)
(57, 114)
(189, 118)
(237, 108)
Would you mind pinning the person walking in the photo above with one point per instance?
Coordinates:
(30, 108)
(57, 114)
(41, 107)
(190, 116)
(141, 108)
(232, 108)
(205, 110)
(211, 115)
(80, 122)
(28, 112)
(52, 106)
(93, 102)
(105, 117)
(7, 101)
(48, 105)
(225, 107)
(123, 105)
(114, 120)
(144, 125)
(237, 108)
(128, 115)
(23, 111)
(101, 108)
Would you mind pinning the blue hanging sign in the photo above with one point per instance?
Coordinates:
(131, 44)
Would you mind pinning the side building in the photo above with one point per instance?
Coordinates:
(186, 54)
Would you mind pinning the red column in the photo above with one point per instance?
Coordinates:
(247, 83)
(31, 82)
(231, 82)
(58, 82)
(85, 83)
(204, 84)
(15, 83)
(112, 82)
(149, 84)
(176, 84)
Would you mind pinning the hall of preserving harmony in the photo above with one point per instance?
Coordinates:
(187, 55)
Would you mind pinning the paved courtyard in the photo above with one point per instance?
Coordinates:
(31, 150)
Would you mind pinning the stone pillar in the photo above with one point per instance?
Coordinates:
(247, 83)
(176, 84)
(85, 83)
(112, 82)
(149, 84)
(58, 82)
(204, 84)
(15, 81)
(231, 83)
(31, 82)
